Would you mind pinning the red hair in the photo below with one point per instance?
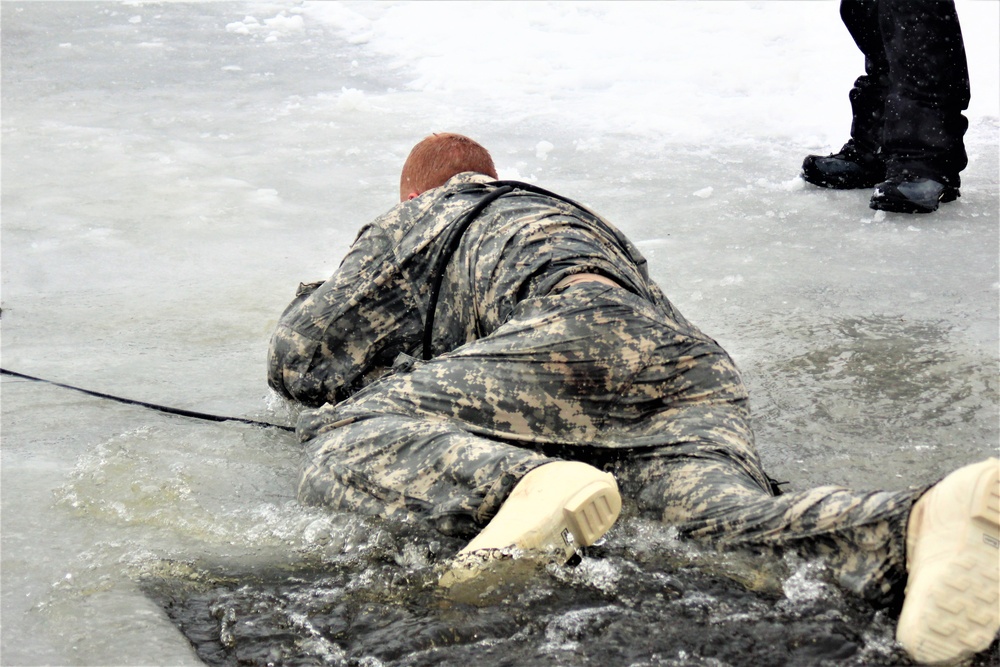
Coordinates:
(439, 157)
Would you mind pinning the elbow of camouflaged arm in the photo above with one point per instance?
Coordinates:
(292, 373)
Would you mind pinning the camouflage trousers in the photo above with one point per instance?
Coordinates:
(596, 374)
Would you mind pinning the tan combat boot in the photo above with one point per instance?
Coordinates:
(952, 605)
(552, 511)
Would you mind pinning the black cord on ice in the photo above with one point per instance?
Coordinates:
(152, 406)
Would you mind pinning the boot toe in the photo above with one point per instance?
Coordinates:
(912, 195)
(833, 171)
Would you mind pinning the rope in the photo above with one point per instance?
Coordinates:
(437, 277)
(152, 406)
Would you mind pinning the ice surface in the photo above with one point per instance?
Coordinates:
(172, 171)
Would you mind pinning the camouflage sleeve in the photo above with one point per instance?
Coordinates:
(333, 336)
(301, 365)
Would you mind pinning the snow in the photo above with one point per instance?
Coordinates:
(682, 71)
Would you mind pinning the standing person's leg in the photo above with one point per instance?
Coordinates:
(868, 96)
(929, 90)
(859, 164)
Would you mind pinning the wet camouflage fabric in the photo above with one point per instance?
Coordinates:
(373, 308)
(529, 373)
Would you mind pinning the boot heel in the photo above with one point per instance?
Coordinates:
(591, 512)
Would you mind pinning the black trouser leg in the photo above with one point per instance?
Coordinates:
(929, 89)
(870, 90)
(908, 105)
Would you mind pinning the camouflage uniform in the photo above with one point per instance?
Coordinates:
(521, 372)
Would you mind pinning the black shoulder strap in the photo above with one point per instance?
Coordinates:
(534, 189)
(457, 231)
(455, 234)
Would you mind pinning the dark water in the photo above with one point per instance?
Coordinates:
(641, 598)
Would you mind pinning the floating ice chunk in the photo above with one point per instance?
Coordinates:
(704, 193)
(275, 27)
(285, 24)
(563, 632)
(542, 149)
(135, 19)
(587, 145)
(266, 196)
(514, 174)
(66, 45)
(243, 27)
(317, 532)
(793, 185)
(878, 216)
(805, 584)
(352, 99)
(731, 280)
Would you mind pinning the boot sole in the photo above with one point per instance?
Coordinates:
(584, 519)
(817, 178)
(899, 204)
(590, 513)
(958, 613)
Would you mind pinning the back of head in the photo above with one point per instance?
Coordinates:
(439, 157)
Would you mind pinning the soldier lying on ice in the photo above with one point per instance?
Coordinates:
(552, 376)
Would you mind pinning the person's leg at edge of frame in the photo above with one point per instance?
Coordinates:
(941, 542)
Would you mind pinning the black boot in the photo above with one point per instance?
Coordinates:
(846, 170)
(912, 194)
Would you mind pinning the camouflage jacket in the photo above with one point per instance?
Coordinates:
(336, 335)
